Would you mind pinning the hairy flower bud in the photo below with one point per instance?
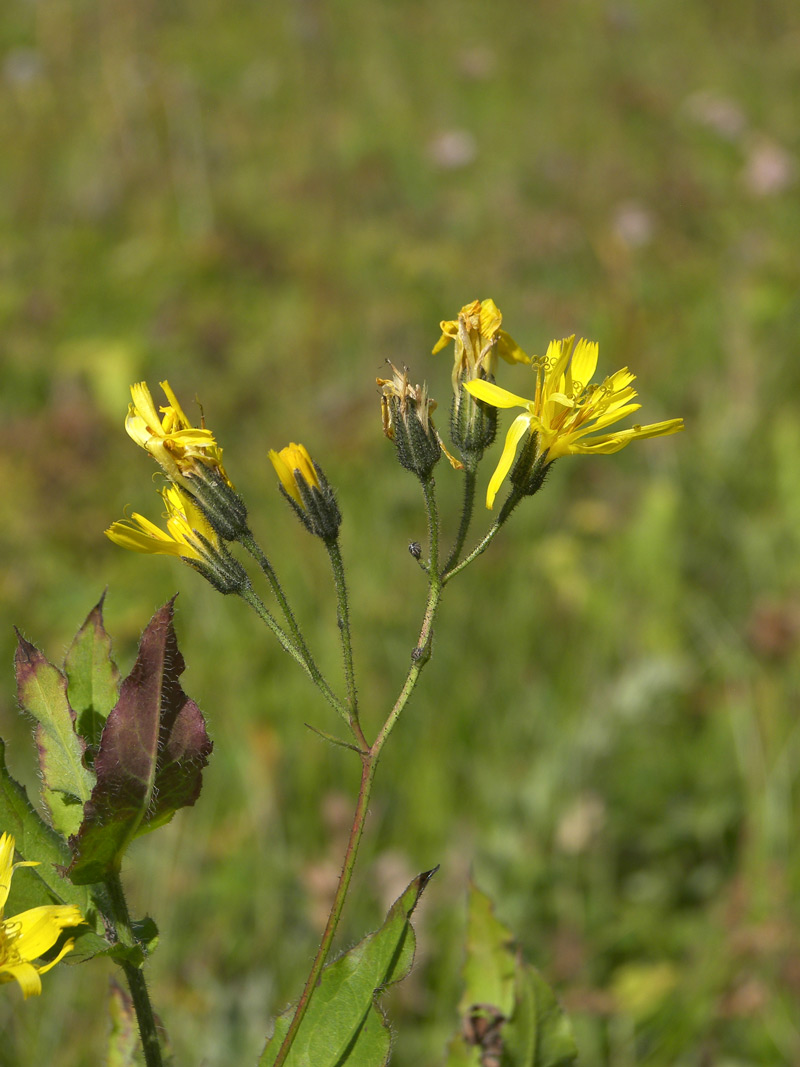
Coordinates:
(307, 490)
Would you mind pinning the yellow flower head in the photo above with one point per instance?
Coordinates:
(184, 522)
(177, 446)
(308, 491)
(290, 462)
(566, 409)
(478, 342)
(27, 936)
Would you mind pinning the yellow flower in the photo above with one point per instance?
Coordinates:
(184, 522)
(177, 446)
(478, 342)
(308, 491)
(566, 409)
(288, 463)
(27, 936)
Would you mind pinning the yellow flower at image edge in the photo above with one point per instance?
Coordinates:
(184, 521)
(27, 936)
(286, 462)
(567, 412)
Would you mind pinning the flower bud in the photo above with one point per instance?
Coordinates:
(308, 491)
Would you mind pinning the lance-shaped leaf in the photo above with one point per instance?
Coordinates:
(152, 752)
(509, 1015)
(42, 692)
(92, 676)
(344, 1027)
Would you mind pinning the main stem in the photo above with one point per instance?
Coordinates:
(369, 765)
(134, 975)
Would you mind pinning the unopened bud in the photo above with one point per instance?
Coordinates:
(308, 491)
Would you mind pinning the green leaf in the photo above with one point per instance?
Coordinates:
(344, 1027)
(150, 760)
(124, 1047)
(510, 1016)
(42, 692)
(539, 1034)
(489, 963)
(92, 676)
(34, 840)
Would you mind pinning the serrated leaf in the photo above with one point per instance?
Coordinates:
(344, 1027)
(42, 692)
(92, 676)
(539, 1033)
(509, 1015)
(150, 760)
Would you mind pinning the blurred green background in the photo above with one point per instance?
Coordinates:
(264, 202)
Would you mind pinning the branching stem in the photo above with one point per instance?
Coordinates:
(369, 764)
(250, 596)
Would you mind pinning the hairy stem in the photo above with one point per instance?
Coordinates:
(309, 666)
(249, 542)
(511, 502)
(369, 765)
(470, 478)
(369, 759)
(134, 974)
(337, 567)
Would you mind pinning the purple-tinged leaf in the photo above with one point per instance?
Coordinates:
(42, 692)
(150, 760)
(92, 676)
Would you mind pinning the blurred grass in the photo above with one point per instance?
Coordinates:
(263, 203)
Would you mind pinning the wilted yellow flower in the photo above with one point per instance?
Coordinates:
(27, 936)
(184, 522)
(479, 340)
(413, 407)
(177, 446)
(294, 458)
(566, 409)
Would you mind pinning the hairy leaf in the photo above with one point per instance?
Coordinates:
(92, 676)
(344, 1027)
(42, 692)
(151, 756)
